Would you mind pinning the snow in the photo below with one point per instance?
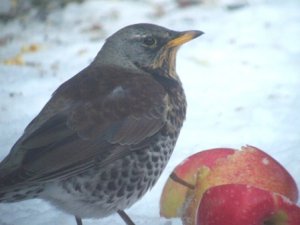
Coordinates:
(265, 161)
(241, 79)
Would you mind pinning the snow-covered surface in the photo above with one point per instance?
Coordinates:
(242, 81)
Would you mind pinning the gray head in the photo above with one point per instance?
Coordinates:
(146, 47)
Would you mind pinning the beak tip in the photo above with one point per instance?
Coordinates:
(198, 33)
(184, 37)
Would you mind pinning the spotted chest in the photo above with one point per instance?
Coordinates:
(98, 193)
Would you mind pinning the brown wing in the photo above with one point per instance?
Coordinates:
(93, 117)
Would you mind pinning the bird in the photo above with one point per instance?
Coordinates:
(106, 134)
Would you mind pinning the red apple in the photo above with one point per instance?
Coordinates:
(183, 179)
(236, 204)
(250, 166)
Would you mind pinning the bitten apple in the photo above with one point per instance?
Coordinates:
(250, 166)
(184, 177)
(236, 204)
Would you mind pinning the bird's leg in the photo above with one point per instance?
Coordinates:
(78, 220)
(125, 217)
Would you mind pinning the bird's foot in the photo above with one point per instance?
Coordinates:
(125, 217)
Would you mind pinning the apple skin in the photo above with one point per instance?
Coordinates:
(250, 166)
(174, 193)
(236, 204)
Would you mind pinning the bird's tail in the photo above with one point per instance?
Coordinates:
(14, 190)
(18, 193)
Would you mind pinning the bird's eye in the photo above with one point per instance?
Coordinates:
(149, 41)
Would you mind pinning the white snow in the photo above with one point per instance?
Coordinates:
(265, 161)
(242, 81)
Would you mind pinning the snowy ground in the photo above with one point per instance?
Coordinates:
(241, 79)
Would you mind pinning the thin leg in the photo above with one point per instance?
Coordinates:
(78, 220)
(125, 217)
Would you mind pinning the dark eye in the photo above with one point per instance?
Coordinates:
(149, 41)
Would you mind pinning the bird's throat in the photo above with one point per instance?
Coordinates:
(165, 63)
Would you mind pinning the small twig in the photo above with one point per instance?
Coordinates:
(177, 179)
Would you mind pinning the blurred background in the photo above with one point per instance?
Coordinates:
(242, 78)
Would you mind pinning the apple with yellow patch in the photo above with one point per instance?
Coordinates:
(250, 166)
(183, 179)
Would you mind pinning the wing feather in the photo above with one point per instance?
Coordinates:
(86, 122)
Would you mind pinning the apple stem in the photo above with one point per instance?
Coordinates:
(177, 179)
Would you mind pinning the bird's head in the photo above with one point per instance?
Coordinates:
(146, 47)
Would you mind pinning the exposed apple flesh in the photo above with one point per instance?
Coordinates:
(190, 179)
(236, 204)
(184, 177)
